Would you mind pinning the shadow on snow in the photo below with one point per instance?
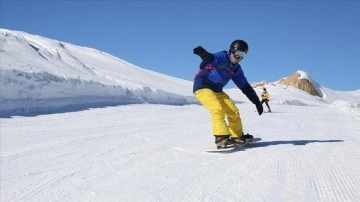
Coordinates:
(293, 142)
(273, 143)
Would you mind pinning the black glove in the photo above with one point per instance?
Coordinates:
(200, 51)
(259, 108)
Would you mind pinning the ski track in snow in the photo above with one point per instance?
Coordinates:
(158, 153)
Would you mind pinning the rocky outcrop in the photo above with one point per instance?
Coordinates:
(304, 84)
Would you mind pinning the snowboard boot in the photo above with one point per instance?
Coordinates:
(248, 137)
(224, 141)
(244, 138)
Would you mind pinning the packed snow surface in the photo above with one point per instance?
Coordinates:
(159, 153)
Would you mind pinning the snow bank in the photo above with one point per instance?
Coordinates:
(292, 102)
(348, 107)
(31, 93)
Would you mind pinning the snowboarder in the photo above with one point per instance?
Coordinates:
(215, 71)
(265, 97)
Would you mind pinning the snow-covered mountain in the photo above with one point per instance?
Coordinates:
(41, 75)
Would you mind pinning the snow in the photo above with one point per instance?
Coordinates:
(41, 75)
(129, 134)
(158, 153)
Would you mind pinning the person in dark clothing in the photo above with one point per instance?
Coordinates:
(216, 69)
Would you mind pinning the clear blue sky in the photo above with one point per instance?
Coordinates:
(319, 37)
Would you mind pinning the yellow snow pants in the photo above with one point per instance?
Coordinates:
(220, 105)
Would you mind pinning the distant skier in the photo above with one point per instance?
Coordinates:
(265, 97)
(216, 69)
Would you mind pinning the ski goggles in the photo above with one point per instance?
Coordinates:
(239, 54)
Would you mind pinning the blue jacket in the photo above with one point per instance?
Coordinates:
(215, 72)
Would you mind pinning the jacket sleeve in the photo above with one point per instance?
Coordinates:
(214, 59)
(208, 59)
(250, 94)
(242, 83)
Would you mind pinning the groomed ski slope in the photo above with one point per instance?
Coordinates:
(158, 153)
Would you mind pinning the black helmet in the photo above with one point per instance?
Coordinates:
(238, 45)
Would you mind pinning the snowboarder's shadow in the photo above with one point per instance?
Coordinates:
(279, 142)
(293, 142)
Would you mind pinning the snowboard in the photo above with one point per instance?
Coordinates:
(245, 144)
